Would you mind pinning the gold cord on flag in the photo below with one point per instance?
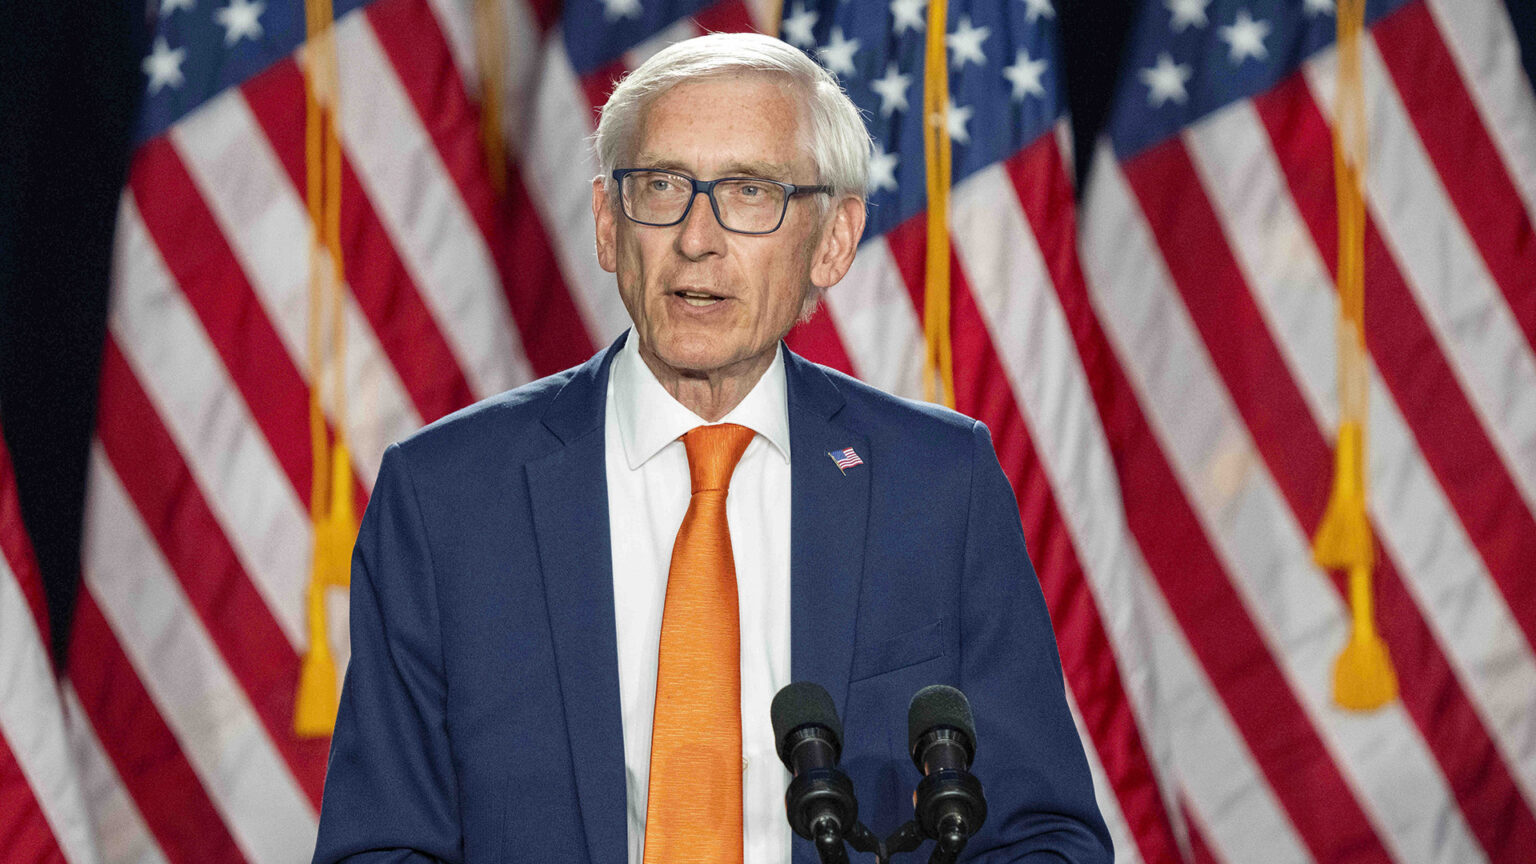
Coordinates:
(1362, 676)
(490, 51)
(938, 357)
(330, 501)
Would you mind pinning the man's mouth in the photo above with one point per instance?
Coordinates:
(698, 298)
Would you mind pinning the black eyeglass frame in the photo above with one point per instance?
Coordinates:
(707, 189)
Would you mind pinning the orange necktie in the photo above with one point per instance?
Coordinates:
(693, 807)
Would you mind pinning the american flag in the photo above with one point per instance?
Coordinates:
(42, 813)
(1209, 240)
(1170, 457)
(846, 459)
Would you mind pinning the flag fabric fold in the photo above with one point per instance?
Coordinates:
(42, 811)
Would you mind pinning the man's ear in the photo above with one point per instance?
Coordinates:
(839, 240)
(607, 227)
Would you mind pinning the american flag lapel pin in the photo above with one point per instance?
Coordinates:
(845, 459)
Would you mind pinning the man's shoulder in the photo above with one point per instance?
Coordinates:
(879, 414)
(934, 446)
(507, 426)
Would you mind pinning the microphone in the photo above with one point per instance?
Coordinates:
(820, 802)
(941, 736)
(806, 727)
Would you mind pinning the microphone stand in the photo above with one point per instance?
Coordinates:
(864, 840)
(948, 802)
(829, 845)
(904, 839)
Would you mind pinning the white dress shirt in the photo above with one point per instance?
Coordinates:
(648, 492)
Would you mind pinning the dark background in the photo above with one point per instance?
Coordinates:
(69, 81)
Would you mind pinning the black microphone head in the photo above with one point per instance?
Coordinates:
(936, 706)
(802, 704)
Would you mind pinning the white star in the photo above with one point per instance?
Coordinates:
(798, 26)
(966, 41)
(959, 115)
(838, 54)
(908, 15)
(1187, 12)
(1245, 37)
(169, 6)
(1165, 81)
(163, 66)
(882, 169)
(241, 19)
(1038, 9)
(613, 10)
(1319, 7)
(892, 90)
(1024, 75)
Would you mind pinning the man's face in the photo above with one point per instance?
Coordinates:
(704, 300)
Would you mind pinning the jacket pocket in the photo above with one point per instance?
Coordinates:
(905, 649)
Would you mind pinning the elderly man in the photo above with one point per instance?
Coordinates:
(573, 603)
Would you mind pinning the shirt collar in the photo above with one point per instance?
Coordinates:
(650, 419)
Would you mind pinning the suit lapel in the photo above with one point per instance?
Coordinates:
(827, 527)
(569, 493)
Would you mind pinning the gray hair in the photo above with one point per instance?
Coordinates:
(839, 144)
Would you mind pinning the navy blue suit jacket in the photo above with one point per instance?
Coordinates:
(480, 717)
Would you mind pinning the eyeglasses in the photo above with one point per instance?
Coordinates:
(745, 205)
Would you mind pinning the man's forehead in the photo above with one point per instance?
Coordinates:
(734, 124)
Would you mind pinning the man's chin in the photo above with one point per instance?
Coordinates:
(703, 359)
(699, 364)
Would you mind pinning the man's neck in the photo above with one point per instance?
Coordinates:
(713, 394)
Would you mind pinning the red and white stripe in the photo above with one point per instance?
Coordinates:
(1164, 411)
(42, 812)
(1210, 259)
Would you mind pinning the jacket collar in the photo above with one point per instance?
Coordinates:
(568, 497)
(577, 409)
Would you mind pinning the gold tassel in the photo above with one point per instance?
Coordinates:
(1363, 678)
(938, 357)
(490, 51)
(1343, 539)
(330, 567)
(330, 506)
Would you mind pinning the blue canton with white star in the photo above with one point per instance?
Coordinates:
(200, 48)
(1189, 58)
(1004, 83)
(597, 32)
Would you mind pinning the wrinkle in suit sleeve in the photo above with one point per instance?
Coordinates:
(390, 790)
(1029, 758)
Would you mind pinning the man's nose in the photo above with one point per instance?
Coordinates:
(701, 234)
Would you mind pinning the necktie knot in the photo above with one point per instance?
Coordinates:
(713, 452)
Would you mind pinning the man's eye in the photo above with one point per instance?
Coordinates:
(750, 190)
(660, 184)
